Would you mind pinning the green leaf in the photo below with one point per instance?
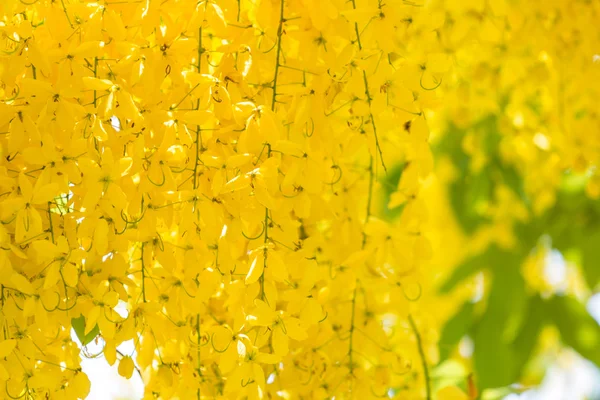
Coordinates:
(389, 184)
(472, 191)
(527, 339)
(491, 257)
(495, 361)
(495, 358)
(577, 327)
(573, 226)
(463, 271)
(590, 254)
(454, 330)
(78, 325)
(467, 196)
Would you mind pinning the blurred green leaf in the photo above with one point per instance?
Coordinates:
(496, 361)
(533, 322)
(578, 329)
(471, 192)
(455, 329)
(590, 255)
(467, 196)
(78, 325)
(491, 257)
(389, 184)
(507, 330)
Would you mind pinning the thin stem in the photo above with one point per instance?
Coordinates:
(95, 76)
(58, 365)
(50, 220)
(369, 198)
(266, 239)
(266, 236)
(372, 117)
(273, 101)
(137, 369)
(198, 129)
(198, 347)
(368, 94)
(279, 33)
(197, 161)
(422, 355)
(143, 276)
(66, 14)
(200, 50)
(188, 93)
(351, 337)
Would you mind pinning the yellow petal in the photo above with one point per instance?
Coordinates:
(236, 183)
(276, 266)
(4, 375)
(21, 283)
(96, 84)
(6, 347)
(25, 186)
(110, 352)
(294, 328)
(111, 299)
(81, 385)
(29, 307)
(126, 367)
(70, 274)
(422, 248)
(101, 237)
(197, 117)
(221, 338)
(91, 319)
(262, 314)
(280, 342)
(451, 393)
(44, 194)
(238, 160)
(52, 275)
(266, 358)
(256, 269)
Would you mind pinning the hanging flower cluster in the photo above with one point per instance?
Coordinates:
(534, 65)
(203, 178)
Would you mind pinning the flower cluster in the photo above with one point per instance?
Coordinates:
(202, 177)
(535, 66)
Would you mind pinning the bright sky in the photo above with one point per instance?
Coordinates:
(107, 384)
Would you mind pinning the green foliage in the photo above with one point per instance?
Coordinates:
(577, 328)
(505, 326)
(389, 184)
(471, 191)
(78, 325)
(455, 329)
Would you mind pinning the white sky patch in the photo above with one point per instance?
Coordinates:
(479, 287)
(466, 347)
(541, 141)
(106, 382)
(116, 124)
(570, 378)
(555, 271)
(519, 120)
(593, 307)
